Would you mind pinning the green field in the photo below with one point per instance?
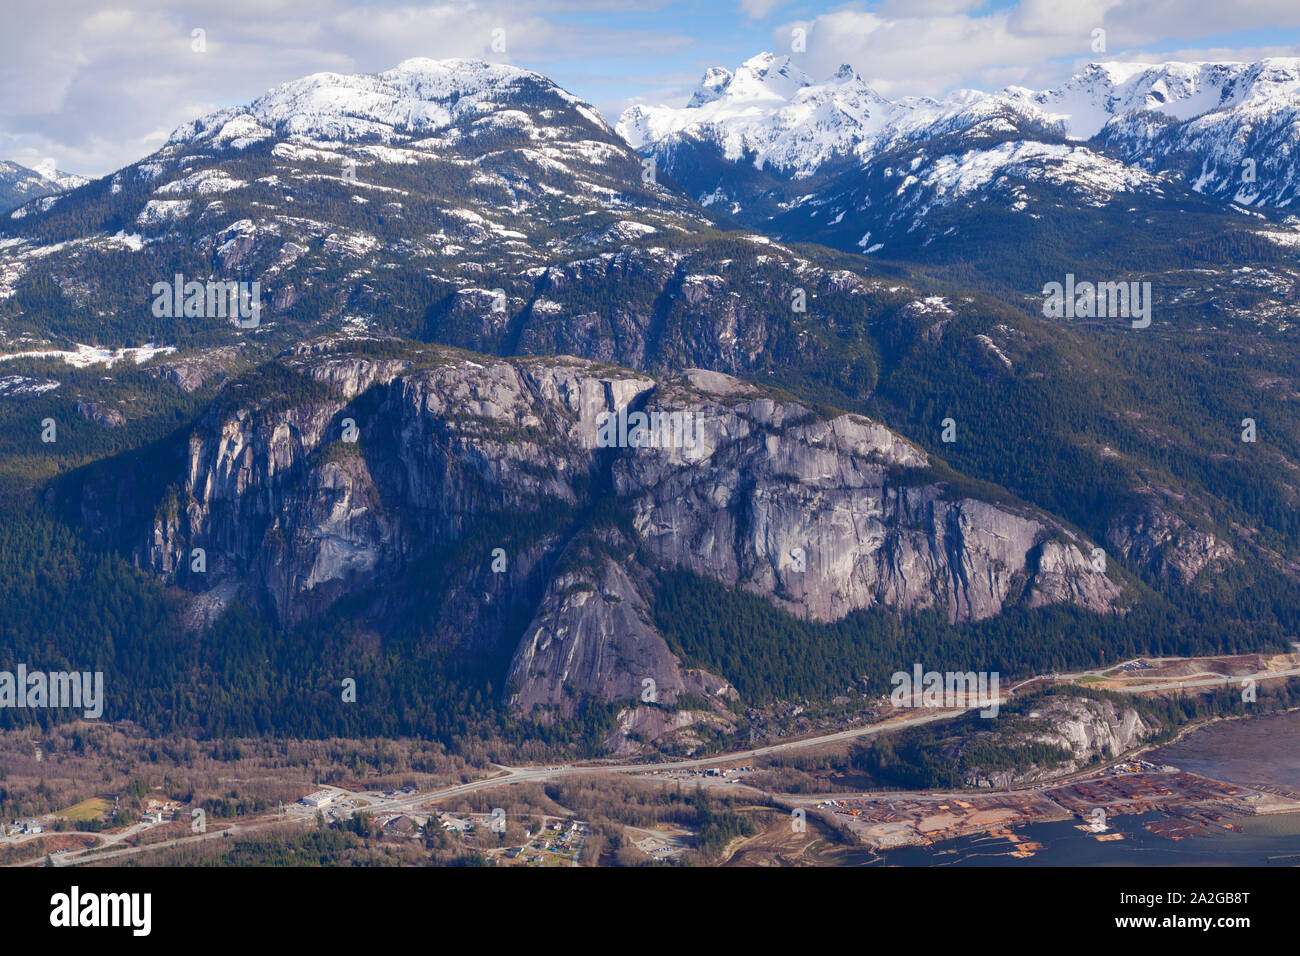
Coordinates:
(96, 808)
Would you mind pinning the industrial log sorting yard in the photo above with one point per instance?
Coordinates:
(1191, 801)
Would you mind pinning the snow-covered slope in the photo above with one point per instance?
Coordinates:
(1244, 148)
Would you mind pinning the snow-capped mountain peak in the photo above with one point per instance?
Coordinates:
(416, 98)
(769, 107)
(1183, 91)
(1217, 125)
(767, 76)
(712, 86)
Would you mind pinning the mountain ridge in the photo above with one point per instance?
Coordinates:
(1240, 110)
(20, 185)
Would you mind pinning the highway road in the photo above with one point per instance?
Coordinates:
(507, 776)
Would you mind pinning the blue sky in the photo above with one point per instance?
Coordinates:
(693, 36)
(90, 88)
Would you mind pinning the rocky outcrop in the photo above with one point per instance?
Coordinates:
(100, 414)
(1155, 538)
(191, 373)
(1087, 727)
(593, 637)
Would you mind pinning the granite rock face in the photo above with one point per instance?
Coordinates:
(592, 636)
(824, 517)
(336, 471)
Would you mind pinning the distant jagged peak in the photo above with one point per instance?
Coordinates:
(21, 184)
(1181, 90)
(712, 85)
(771, 109)
(769, 106)
(42, 174)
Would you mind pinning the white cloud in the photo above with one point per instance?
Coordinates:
(93, 86)
(931, 46)
(757, 9)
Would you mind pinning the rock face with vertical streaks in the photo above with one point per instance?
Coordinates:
(821, 514)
